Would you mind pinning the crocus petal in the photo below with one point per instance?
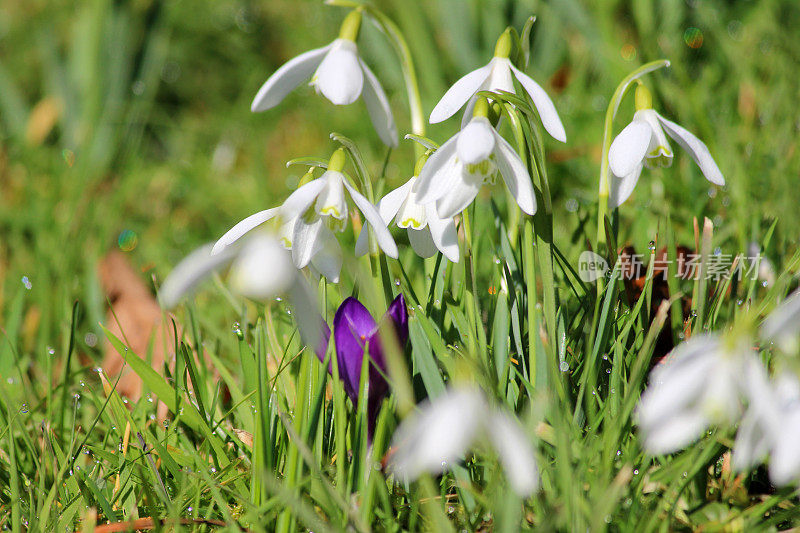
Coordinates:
(190, 272)
(783, 324)
(444, 234)
(696, 148)
(515, 175)
(628, 149)
(378, 107)
(241, 228)
(382, 234)
(463, 191)
(436, 179)
(476, 142)
(439, 434)
(515, 452)
(620, 189)
(397, 312)
(459, 93)
(544, 105)
(339, 77)
(352, 326)
(286, 78)
(300, 200)
(422, 242)
(262, 269)
(306, 243)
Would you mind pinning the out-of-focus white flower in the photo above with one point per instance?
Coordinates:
(782, 326)
(771, 428)
(497, 76)
(455, 172)
(427, 231)
(339, 74)
(643, 143)
(445, 428)
(259, 267)
(326, 259)
(699, 384)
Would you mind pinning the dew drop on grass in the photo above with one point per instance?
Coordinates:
(51, 350)
(24, 408)
(237, 329)
(397, 281)
(651, 246)
(563, 366)
(27, 283)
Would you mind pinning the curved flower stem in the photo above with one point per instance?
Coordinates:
(392, 31)
(613, 106)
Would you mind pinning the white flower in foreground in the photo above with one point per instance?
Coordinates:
(260, 268)
(771, 427)
(321, 205)
(455, 172)
(445, 428)
(427, 231)
(326, 259)
(339, 74)
(702, 382)
(643, 143)
(497, 75)
(782, 326)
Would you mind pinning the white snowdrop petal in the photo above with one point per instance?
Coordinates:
(459, 93)
(382, 234)
(544, 105)
(784, 463)
(620, 189)
(286, 78)
(421, 242)
(444, 234)
(515, 451)
(463, 191)
(436, 177)
(192, 270)
(328, 260)
(262, 269)
(515, 175)
(243, 227)
(301, 199)
(306, 242)
(675, 433)
(339, 77)
(476, 141)
(380, 112)
(696, 148)
(628, 149)
(783, 324)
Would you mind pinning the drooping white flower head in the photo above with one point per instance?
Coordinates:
(701, 382)
(326, 259)
(319, 206)
(339, 74)
(427, 231)
(495, 76)
(454, 174)
(445, 428)
(642, 143)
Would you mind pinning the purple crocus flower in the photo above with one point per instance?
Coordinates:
(353, 329)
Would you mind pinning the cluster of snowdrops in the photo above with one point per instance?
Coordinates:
(711, 379)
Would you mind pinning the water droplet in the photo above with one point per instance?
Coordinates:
(24, 409)
(651, 246)
(27, 283)
(237, 330)
(563, 366)
(166, 424)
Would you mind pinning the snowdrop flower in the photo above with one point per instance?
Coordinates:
(702, 382)
(427, 231)
(454, 174)
(339, 74)
(326, 259)
(260, 268)
(446, 427)
(320, 206)
(782, 326)
(643, 143)
(497, 76)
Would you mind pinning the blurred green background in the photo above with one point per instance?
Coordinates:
(126, 124)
